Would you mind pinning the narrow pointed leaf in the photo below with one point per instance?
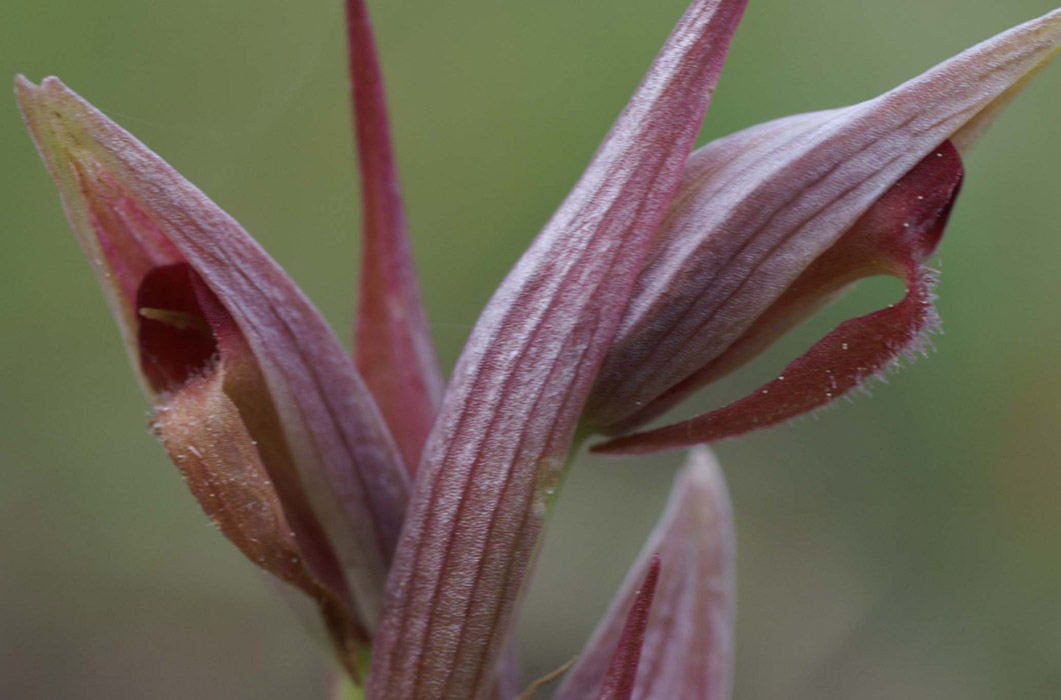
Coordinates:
(508, 418)
(393, 346)
(756, 210)
(138, 220)
(688, 645)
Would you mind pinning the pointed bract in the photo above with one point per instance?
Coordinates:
(688, 648)
(393, 346)
(508, 419)
(185, 282)
(757, 209)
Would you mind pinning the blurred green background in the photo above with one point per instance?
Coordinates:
(904, 546)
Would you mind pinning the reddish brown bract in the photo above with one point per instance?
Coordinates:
(622, 673)
(393, 346)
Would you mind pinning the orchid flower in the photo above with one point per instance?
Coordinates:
(410, 511)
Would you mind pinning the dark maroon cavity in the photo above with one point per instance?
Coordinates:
(172, 349)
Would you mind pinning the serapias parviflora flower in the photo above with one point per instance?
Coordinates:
(771, 223)
(256, 401)
(660, 272)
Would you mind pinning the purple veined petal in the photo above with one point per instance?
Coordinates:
(688, 648)
(758, 208)
(136, 218)
(393, 345)
(508, 418)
